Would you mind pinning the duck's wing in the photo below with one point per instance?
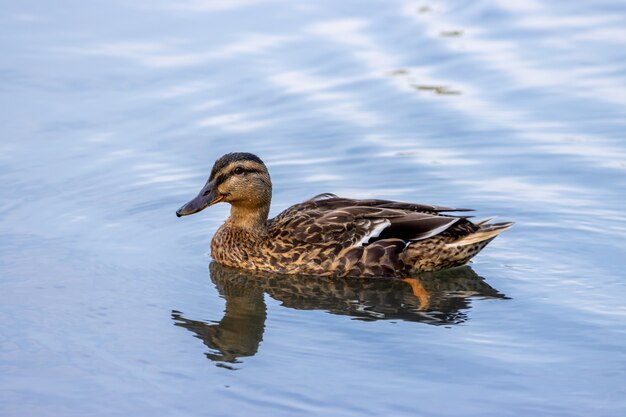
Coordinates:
(330, 201)
(327, 219)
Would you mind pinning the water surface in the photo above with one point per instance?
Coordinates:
(113, 112)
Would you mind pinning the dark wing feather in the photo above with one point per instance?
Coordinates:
(417, 226)
(327, 218)
(328, 200)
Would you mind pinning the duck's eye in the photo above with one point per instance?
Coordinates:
(238, 171)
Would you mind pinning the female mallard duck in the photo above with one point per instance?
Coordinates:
(329, 235)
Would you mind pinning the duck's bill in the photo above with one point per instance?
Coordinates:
(205, 198)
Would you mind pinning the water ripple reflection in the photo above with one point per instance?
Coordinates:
(438, 298)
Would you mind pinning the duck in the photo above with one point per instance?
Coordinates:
(332, 236)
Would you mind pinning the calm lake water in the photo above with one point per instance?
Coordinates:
(113, 113)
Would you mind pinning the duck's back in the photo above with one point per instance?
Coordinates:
(333, 236)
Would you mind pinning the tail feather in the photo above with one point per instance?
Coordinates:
(486, 232)
(484, 221)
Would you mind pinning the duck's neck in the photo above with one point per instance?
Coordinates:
(250, 219)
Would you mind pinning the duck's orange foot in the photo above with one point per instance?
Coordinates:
(420, 292)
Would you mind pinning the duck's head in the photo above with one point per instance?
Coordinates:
(238, 178)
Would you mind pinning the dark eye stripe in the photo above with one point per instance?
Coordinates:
(221, 178)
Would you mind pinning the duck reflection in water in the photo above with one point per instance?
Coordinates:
(437, 298)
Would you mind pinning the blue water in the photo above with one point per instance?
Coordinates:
(113, 113)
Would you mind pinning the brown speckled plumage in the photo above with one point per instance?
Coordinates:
(332, 236)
